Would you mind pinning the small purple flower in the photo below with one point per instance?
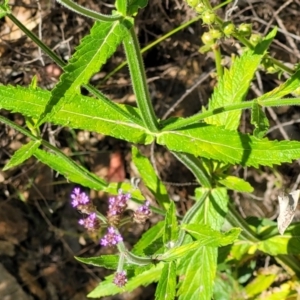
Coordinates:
(81, 201)
(116, 207)
(117, 204)
(142, 213)
(111, 238)
(120, 279)
(91, 222)
(79, 198)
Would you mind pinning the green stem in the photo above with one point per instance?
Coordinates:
(37, 41)
(139, 82)
(237, 221)
(195, 166)
(164, 37)
(88, 12)
(218, 60)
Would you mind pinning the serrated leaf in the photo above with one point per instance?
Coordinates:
(22, 154)
(214, 208)
(90, 56)
(228, 146)
(203, 232)
(105, 261)
(287, 245)
(198, 273)
(198, 267)
(282, 90)
(234, 84)
(167, 284)
(71, 170)
(171, 226)
(259, 120)
(83, 113)
(107, 287)
(236, 184)
(150, 178)
(148, 238)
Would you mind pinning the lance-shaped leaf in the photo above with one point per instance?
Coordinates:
(167, 283)
(149, 238)
(88, 59)
(22, 154)
(236, 184)
(71, 170)
(198, 267)
(234, 84)
(228, 146)
(105, 261)
(107, 287)
(150, 178)
(83, 113)
(259, 120)
(171, 226)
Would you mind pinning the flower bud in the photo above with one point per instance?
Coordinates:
(228, 29)
(208, 17)
(245, 29)
(255, 39)
(199, 8)
(216, 33)
(192, 3)
(207, 38)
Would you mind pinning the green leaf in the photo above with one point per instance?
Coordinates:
(171, 226)
(72, 171)
(236, 184)
(259, 120)
(198, 271)
(105, 261)
(107, 287)
(198, 267)
(228, 146)
(166, 288)
(4, 9)
(150, 178)
(83, 113)
(280, 245)
(148, 238)
(284, 89)
(234, 84)
(205, 237)
(134, 6)
(121, 6)
(261, 283)
(22, 154)
(88, 59)
(204, 232)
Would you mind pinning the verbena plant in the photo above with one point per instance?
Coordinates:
(189, 256)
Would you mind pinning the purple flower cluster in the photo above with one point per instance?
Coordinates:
(81, 201)
(117, 205)
(142, 213)
(111, 238)
(120, 279)
(90, 222)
